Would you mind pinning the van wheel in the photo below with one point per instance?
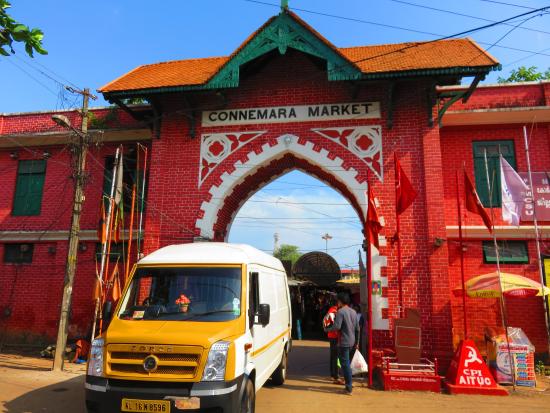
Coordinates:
(279, 375)
(248, 402)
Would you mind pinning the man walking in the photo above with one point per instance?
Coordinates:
(346, 324)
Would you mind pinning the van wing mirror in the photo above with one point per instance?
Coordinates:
(107, 313)
(264, 314)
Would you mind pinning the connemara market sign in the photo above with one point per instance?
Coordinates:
(285, 114)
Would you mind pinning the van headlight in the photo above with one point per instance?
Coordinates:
(95, 362)
(214, 370)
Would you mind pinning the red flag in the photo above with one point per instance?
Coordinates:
(101, 229)
(473, 203)
(404, 192)
(115, 284)
(97, 284)
(373, 224)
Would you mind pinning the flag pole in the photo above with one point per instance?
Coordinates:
(537, 234)
(369, 291)
(461, 240)
(128, 259)
(98, 308)
(106, 256)
(141, 203)
(398, 232)
(503, 311)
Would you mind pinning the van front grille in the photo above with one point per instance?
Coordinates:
(174, 362)
(192, 358)
(138, 369)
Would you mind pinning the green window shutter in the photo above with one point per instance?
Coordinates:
(493, 148)
(18, 253)
(29, 188)
(510, 252)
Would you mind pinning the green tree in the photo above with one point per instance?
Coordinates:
(525, 74)
(12, 31)
(287, 253)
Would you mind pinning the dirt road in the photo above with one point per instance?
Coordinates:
(27, 385)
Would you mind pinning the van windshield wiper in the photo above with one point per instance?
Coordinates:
(208, 313)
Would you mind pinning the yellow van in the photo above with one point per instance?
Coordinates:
(200, 327)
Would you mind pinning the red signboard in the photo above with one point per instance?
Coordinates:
(468, 373)
(538, 204)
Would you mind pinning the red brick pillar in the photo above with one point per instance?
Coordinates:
(155, 194)
(439, 320)
(546, 93)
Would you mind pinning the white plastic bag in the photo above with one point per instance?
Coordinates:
(358, 364)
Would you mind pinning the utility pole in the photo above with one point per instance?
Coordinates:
(275, 242)
(80, 151)
(326, 237)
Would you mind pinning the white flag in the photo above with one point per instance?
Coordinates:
(362, 269)
(512, 187)
(119, 181)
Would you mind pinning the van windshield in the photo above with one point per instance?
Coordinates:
(183, 294)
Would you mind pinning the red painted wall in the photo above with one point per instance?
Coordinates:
(292, 79)
(30, 295)
(457, 150)
(429, 156)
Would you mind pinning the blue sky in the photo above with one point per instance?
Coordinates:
(91, 43)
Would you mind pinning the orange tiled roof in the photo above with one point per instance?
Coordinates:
(386, 58)
(174, 73)
(419, 56)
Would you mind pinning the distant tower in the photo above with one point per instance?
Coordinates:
(275, 242)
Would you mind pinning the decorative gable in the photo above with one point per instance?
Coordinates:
(281, 32)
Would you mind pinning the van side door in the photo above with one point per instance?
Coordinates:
(264, 352)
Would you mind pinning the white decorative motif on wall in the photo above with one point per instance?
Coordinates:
(379, 303)
(215, 147)
(363, 141)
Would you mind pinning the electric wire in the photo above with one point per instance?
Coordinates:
(503, 36)
(527, 57)
(463, 15)
(31, 76)
(452, 36)
(508, 4)
(187, 112)
(417, 44)
(292, 218)
(183, 227)
(64, 81)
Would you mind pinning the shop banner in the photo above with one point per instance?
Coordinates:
(541, 196)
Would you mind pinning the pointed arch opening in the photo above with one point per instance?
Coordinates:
(285, 154)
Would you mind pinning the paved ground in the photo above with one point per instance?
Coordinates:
(27, 386)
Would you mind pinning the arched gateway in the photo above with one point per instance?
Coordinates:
(288, 99)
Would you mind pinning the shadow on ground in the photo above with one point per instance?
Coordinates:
(66, 396)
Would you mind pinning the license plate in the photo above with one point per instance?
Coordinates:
(145, 406)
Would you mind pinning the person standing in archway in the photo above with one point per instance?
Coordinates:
(328, 321)
(345, 322)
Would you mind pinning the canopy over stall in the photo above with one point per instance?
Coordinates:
(513, 285)
(317, 267)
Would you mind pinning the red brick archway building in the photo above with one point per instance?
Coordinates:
(218, 129)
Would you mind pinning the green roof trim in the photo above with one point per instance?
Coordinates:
(464, 71)
(281, 33)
